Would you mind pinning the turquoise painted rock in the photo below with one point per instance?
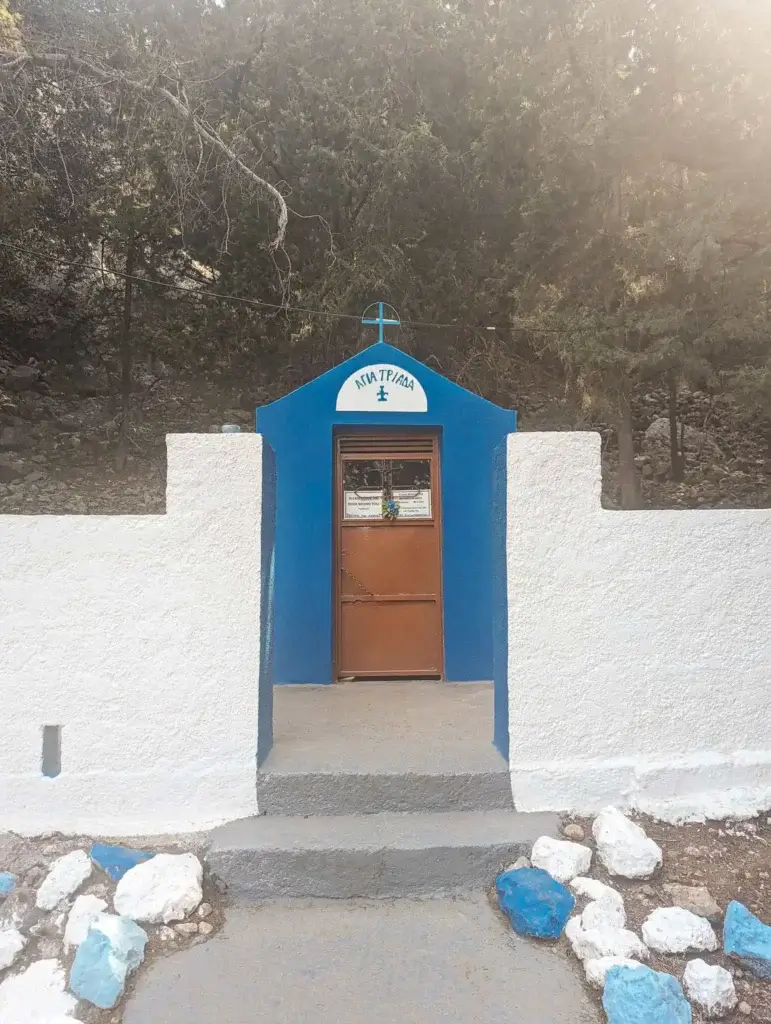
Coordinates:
(113, 948)
(535, 903)
(7, 883)
(747, 939)
(638, 995)
(115, 861)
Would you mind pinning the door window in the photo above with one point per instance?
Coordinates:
(395, 489)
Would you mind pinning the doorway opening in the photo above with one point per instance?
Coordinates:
(388, 557)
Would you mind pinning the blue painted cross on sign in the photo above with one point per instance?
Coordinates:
(381, 322)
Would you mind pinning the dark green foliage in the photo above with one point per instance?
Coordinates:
(590, 179)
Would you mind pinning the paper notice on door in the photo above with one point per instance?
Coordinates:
(369, 504)
(363, 505)
(414, 504)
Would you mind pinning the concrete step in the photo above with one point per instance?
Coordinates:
(344, 792)
(374, 855)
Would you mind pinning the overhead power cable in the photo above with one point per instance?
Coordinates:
(202, 293)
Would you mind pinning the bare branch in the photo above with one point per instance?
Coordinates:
(15, 63)
(57, 61)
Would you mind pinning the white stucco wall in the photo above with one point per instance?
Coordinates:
(639, 645)
(139, 636)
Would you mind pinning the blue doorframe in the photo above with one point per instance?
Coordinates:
(500, 601)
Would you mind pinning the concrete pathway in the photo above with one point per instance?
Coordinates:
(448, 960)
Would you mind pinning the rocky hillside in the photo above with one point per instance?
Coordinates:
(59, 431)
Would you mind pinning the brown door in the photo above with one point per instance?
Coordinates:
(388, 557)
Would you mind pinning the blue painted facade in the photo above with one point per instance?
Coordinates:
(300, 429)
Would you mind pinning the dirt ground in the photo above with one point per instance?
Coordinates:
(733, 860)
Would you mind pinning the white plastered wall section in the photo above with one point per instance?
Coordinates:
(639, 660)
(139, 636)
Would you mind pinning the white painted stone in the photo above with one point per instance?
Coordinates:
(710, 987)
(593, 889)
(65, 875)
(85, 910)
(163, 889)
(605, 913)
(12, 942)
(158, 704)
(606, 908)
(562, 859)
(593, 943)
(597, 969)
(674, 930)
(647, 687)
(623, 847)
(37, 996)
(573, 928)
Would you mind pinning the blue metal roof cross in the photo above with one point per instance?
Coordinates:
(380, 319)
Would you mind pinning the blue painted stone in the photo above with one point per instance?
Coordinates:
(746, 938)
(535, 903)
(113, 948)
(638, 995)
(115, 861)
(7, 883)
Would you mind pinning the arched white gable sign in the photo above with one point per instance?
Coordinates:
(381, 387)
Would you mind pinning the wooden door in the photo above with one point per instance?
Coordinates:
(388, 557)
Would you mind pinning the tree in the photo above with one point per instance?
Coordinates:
(644, 282)
(551, 171)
